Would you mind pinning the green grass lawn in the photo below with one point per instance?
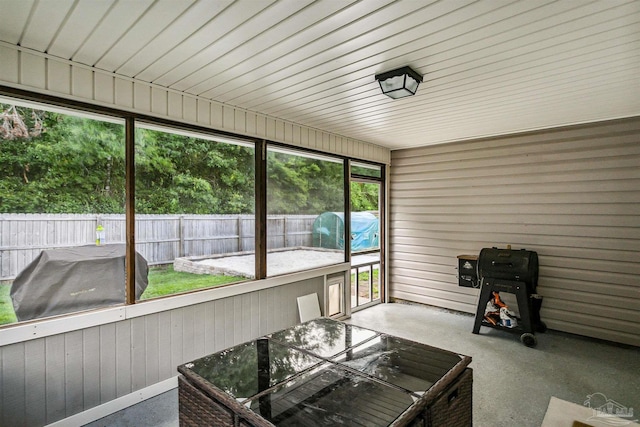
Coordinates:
(165, 281)
(162, 281)
(6, 308)
(363, 283)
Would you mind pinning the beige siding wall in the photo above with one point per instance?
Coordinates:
(571, 194)
(29, 70)
(47, 379)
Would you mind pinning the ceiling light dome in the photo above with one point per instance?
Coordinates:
(399, 83)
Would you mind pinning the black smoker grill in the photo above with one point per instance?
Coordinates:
(516, 272)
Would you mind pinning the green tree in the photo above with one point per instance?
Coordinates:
(58, 163)
(181, 174)
(301, 185)
(364, 196)
(74, 165)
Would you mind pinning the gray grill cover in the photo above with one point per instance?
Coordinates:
(67, 280)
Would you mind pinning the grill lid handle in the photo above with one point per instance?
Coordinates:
(508, 264)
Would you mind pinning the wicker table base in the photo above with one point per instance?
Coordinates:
(450, 408)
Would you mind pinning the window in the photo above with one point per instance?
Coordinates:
(301, 189)
(366, 170)
(62, 187)
(194, 209)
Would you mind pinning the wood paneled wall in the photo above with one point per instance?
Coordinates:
(571, 194)
(47, 379)
(30, 70)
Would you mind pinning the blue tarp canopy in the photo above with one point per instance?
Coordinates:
(328, 231)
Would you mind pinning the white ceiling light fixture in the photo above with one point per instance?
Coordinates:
(399, 83)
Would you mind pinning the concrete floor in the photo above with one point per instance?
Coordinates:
(512, 383)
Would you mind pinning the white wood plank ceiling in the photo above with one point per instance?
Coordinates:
(490, 66)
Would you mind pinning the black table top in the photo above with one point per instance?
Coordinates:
(326, 372)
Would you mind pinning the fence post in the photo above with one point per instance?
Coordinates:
(181, 250)
(239, 233)
(286, 236)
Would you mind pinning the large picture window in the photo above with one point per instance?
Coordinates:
(194, 209)
(62, 199)
(305, 211)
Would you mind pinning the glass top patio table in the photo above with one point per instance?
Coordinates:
(326, 372)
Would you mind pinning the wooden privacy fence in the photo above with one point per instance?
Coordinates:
(159, 238)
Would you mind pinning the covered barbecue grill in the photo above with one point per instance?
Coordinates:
(515, 272)
(67, 280)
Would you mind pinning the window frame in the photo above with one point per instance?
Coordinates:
(382, 181)
(131, 307)
(315, 155)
